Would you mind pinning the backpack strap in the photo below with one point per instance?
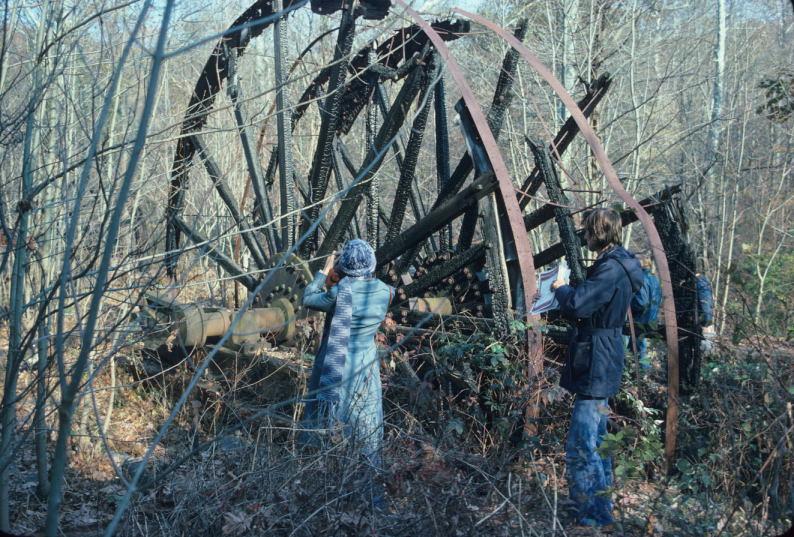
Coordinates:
(628, 312)
(625, 271)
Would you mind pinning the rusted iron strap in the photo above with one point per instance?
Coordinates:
(506, 188)
(647, 223)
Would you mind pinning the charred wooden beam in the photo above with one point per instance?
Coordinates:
(391, 124)
(226, 196)
(408, 168)
(504, 85)
(562, 214)
(463, 323)
(342, 152)
(565, 136)
(373, 192)
(444, 270)
(417, 203)
(321, 164)
(442, 153)
(543, 214)
(251, 158)
(468, 228)
(670, 223)
(627, 216)
(539, 216)
(219, 257)
(482, 166)
(437, 218)
(306, 199)
(339, 154)
(284, 129)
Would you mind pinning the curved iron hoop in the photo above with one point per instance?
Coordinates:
(668, 306)
(506, 188)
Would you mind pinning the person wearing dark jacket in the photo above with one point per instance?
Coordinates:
(594, 365)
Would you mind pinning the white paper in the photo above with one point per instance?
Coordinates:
(546, 300)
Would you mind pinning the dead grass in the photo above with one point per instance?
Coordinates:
(436, 481)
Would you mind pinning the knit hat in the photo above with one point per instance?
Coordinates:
(357, 259)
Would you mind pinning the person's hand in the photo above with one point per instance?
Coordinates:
(557, 283)
(329, 264)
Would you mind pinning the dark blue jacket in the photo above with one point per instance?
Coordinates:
(645, 302)
(705, 301)
(598, 309)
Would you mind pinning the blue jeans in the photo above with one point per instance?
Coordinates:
(589, 474)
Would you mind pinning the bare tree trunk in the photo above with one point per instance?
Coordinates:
(705, 194)
(718, 93)
(729, 261)
(69, 392)
(566, 25)
(17, 299)
(722, 281)
(762, 269)
(39, 421)
(635, 104)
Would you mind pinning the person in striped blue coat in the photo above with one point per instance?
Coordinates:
(344, 390)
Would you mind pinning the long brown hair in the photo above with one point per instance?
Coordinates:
(604, 227)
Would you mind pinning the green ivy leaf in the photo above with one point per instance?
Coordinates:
(456, 426)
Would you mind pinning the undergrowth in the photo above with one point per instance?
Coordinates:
(461, 456)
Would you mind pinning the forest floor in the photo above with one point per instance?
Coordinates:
(227, 468)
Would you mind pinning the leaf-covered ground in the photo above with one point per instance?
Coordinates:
(453, 465)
